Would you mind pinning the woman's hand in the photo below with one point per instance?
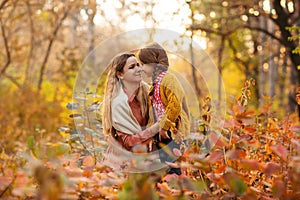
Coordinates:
(163, 134)
(159, 118)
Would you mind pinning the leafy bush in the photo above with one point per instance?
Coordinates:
(253, 156)
(27, 112)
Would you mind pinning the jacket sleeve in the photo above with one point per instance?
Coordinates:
(173, 93)
(129, 141)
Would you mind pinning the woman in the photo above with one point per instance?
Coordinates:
(125, 110)
(167, 102)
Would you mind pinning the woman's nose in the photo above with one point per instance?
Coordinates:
(140, 68)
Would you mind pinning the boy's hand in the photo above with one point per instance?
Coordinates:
(163, 134)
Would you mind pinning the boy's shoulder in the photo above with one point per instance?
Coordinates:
(169, 77)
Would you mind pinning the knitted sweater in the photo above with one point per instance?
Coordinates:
(176, 117)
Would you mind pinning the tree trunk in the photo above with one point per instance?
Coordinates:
(261, 75)
(49, 48)
(283, 21)
(220, 54)
(272, 66)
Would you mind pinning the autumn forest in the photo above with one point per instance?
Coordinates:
(239, 62)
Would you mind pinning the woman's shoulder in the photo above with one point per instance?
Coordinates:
(119, 98)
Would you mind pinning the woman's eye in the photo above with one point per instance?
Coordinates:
(134, 65)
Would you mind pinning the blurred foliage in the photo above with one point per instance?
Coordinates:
(295, 37)
(24, 114)
(50, 153)
(255, 155)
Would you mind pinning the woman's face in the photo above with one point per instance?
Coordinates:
(148, 69)
(132, 71)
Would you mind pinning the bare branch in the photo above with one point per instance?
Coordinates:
(8, 56)
(222, 33)
(235, 51)
(12, 79)
(30, 55)
(53, 36)
(263, 31)
(3, 4)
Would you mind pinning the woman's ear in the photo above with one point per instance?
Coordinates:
(119, 75)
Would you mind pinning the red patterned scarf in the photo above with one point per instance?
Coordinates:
(158, 107)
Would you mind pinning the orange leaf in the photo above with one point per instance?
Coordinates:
(220, 169)
(87, 173)
(254, 143)
(21, 179)
(88, 161)
(249, 164)
(250, 129)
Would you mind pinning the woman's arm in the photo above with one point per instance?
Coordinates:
(129, 141)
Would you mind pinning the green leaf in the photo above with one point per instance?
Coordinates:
(195, 186)
(57, 149)
(235, 183)
(30, 142)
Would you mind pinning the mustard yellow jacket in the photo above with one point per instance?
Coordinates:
(176, 117)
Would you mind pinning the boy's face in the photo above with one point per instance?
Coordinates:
(148, 69)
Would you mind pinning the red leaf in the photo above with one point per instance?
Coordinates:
(216, 139)
(238, 109)
(215, 156)
(215, 177)
(229, 124)
(280, 150)
(296, 144)
(278, 188)
(4, 182)
(295, 128)
(271, 168)
(235, 153)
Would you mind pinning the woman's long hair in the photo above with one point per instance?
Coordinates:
(113, 85)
